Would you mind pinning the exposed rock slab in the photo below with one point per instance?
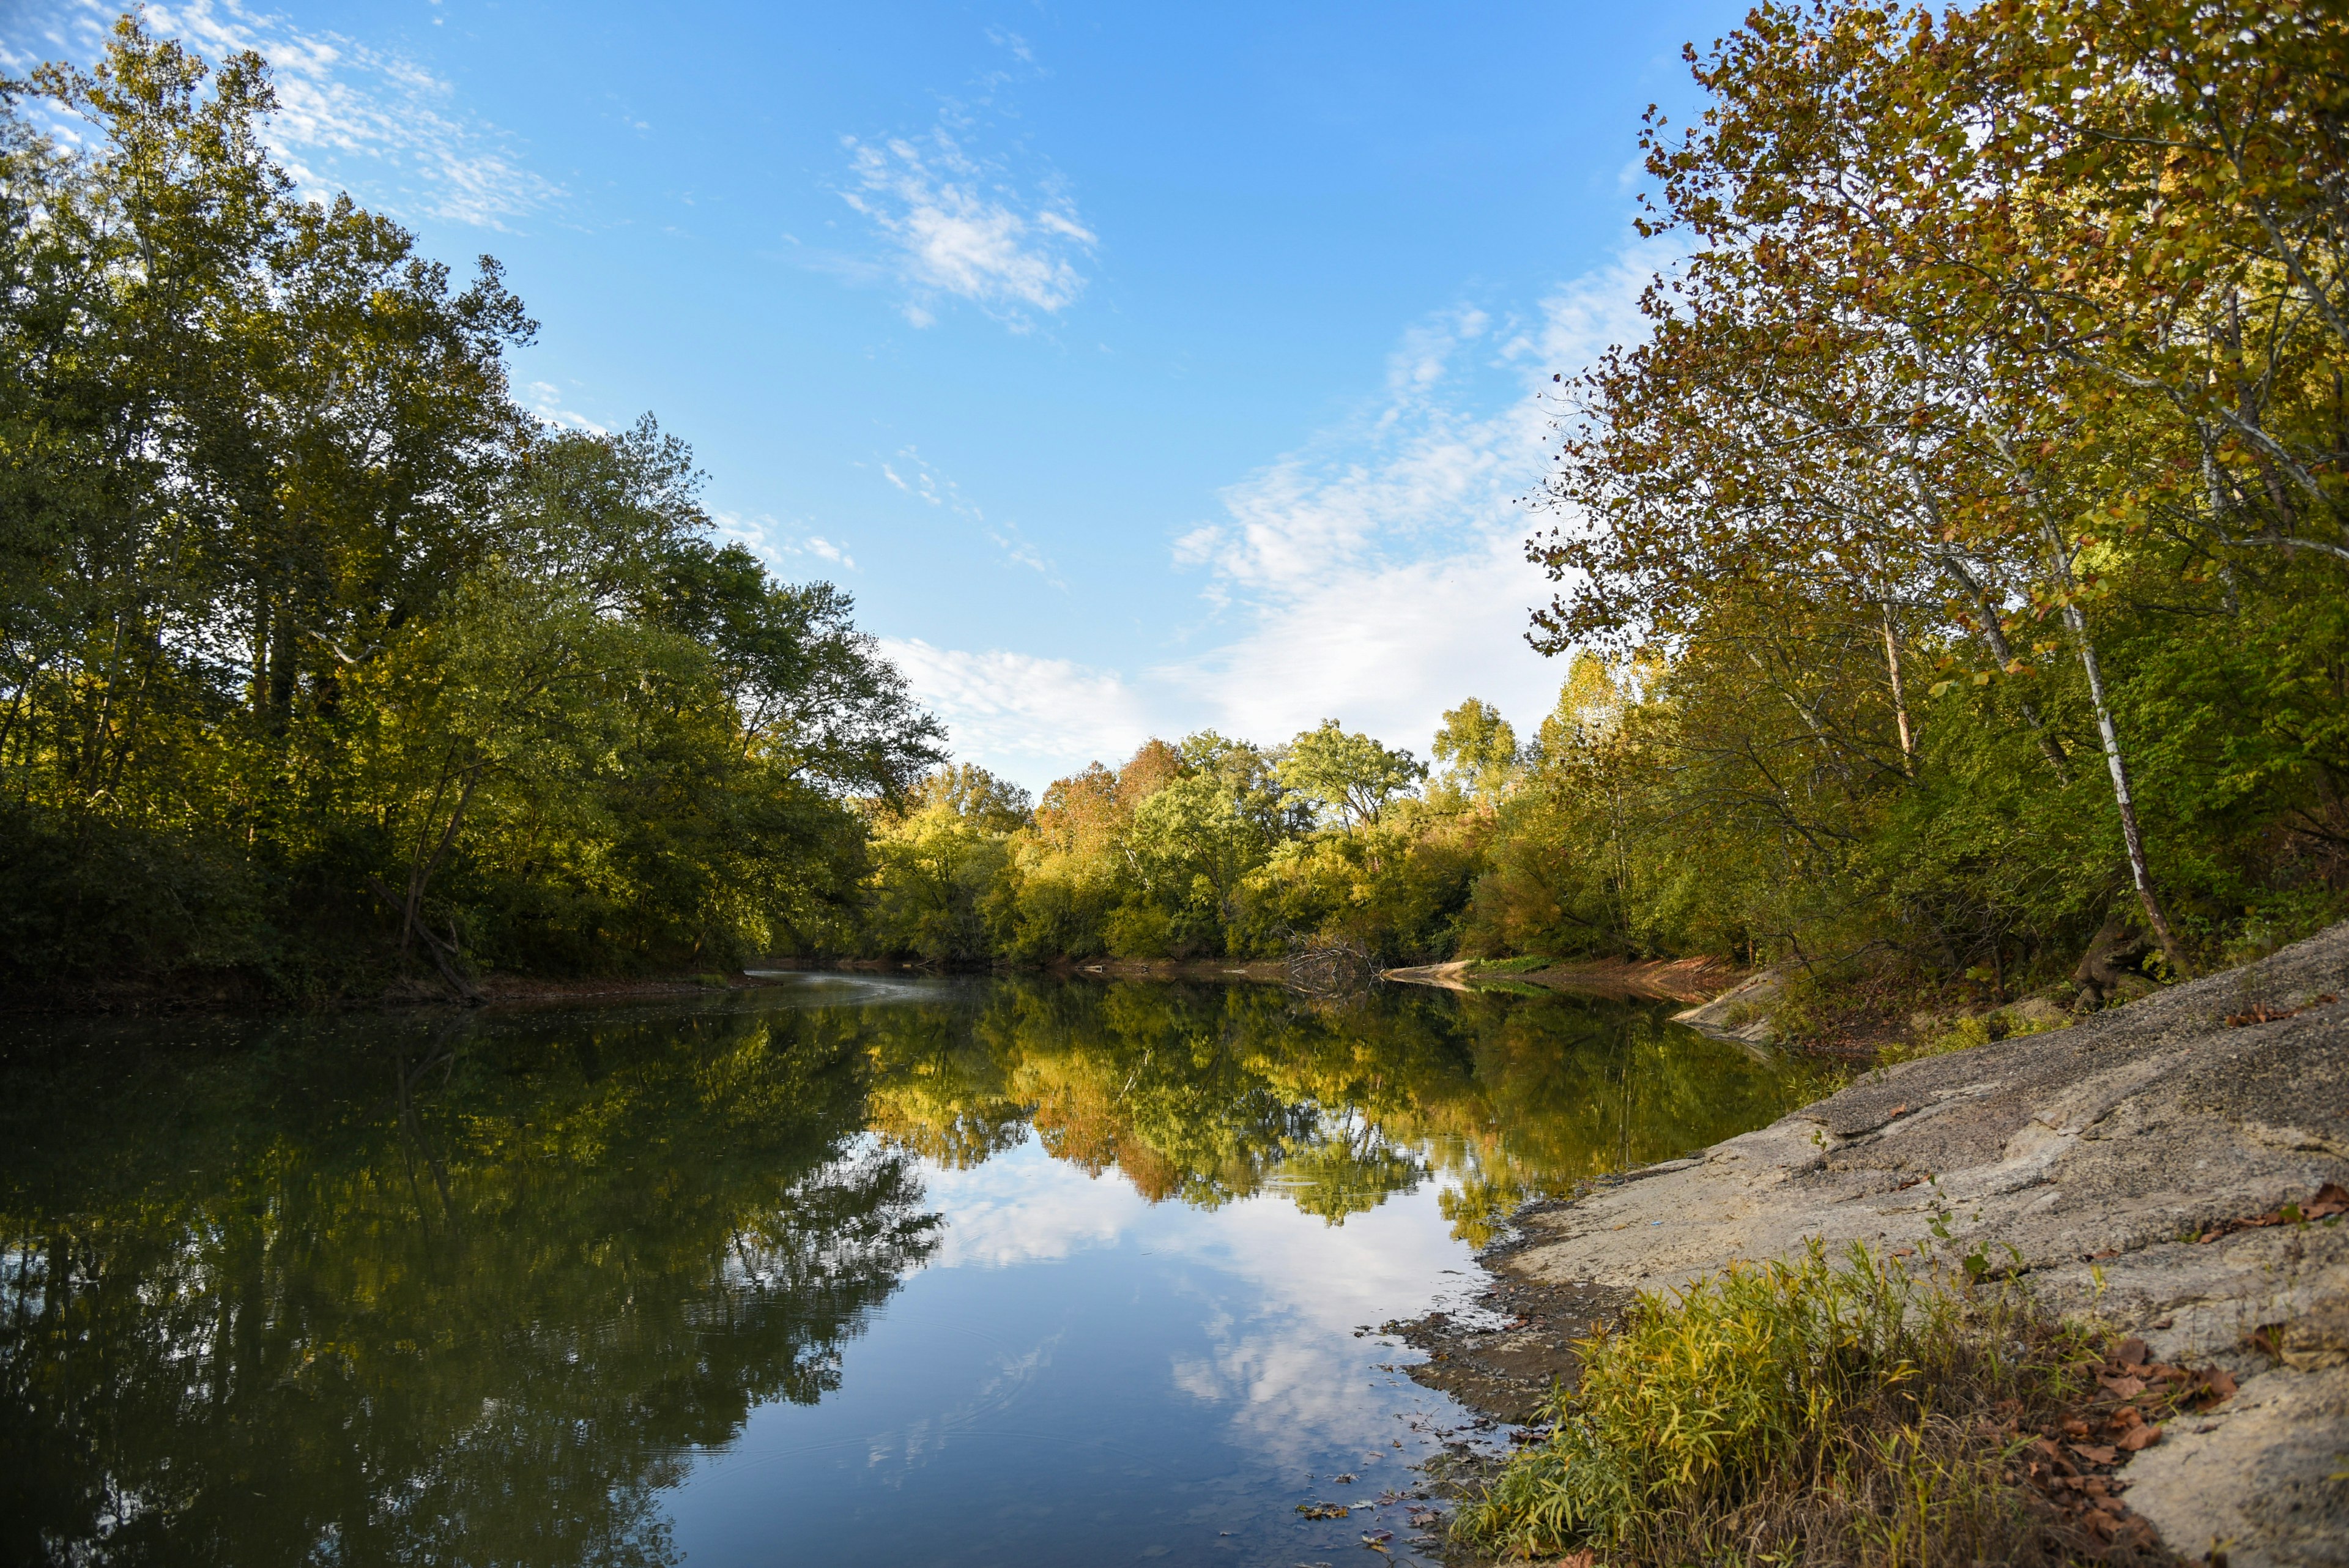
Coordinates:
(2093, 1155)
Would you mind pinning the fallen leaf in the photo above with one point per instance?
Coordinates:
(2219, 1385)
(2130, 1351)
(2137, 1437)
(2096, 1453)
(2124, 1387)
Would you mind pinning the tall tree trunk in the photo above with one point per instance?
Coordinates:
(1899, 694)
(2060, 560)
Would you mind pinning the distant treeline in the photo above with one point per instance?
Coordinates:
(319, 650)
(1957, 564)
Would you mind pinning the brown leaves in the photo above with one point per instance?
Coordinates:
(2331, 1200)
(2072, 1463)
(2261, 1013)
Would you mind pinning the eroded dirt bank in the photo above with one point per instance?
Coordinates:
(2120, 1160)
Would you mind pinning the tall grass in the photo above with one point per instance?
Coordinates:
(1815, 1412)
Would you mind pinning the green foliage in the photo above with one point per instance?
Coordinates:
(1208, 848)
(1815, 1410)
(1967, 528)
(1348, 776)
(315, 650)
(1481, 750)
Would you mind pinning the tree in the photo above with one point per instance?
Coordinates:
(1481, 750)
(1351, 776)
(310, 639)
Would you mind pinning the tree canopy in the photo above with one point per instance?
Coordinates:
(316, 646)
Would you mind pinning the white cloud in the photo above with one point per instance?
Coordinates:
(1384, 647)
(927, 485)
(349, 116)
(1376, 576)
(784, 549)
(546, 401)
(960, 226)
(1028, 717)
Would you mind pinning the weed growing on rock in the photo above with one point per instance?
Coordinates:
(1818, 1411)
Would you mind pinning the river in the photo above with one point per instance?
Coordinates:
(844, 1270)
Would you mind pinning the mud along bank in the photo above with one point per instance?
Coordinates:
(2126, 1161)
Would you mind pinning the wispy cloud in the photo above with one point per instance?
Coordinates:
(1376, 575)
(999, 229)
(786, 549)
(913, 476)
(961, 226)
(547, 400)
(1028, 717)
(349, 116)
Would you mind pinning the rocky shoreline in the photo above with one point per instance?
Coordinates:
(2160, 1167)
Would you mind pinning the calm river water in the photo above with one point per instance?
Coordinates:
(844, 1272)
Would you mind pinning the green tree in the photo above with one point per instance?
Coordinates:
(1350, 777)
(1480, 749)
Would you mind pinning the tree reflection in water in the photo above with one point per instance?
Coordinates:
(1206, 1092)
(476, 1290)
(462, 1298)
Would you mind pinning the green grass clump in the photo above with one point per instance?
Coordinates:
(1510, 966)
(1810, 1412)
(1964, 1034)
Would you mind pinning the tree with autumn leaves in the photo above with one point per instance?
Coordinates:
(1954, 568)
(1986, 443)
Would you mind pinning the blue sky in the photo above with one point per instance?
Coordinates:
(1138, 369)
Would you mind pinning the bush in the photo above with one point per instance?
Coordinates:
(1810, 1411)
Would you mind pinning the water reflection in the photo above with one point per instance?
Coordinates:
(1207, 1093)
(490, 1290)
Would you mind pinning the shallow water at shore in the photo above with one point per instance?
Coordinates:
(846, 1270)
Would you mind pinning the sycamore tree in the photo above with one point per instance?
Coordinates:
(2010, 342)
(1348, 776)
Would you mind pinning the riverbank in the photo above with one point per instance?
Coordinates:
(2159, 1169)
(1695, 979)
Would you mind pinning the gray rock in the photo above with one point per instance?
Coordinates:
(2093, 1155)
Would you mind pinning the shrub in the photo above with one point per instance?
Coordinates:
(1810, 1412)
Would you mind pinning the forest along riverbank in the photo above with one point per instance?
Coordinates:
(2161, 1169)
